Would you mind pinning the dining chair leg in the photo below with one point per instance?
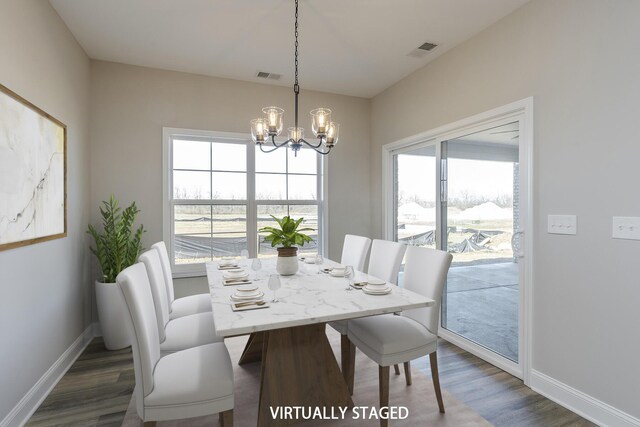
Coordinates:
(383, 373)
(433, 359)
(396, 368)
(227, 418)
(407, 372)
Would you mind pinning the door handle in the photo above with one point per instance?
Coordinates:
(517, 252)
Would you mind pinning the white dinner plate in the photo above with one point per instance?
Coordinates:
(247, 288)
(235, 274)
(337, 272)
(370, 291)
(254, 297)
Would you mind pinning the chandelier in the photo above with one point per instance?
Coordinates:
(265, 130)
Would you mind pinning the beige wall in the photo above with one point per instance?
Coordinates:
(130, 106)
(46, 289)
(579, 60)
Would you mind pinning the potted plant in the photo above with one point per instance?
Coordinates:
(117, 247)
(288, 237)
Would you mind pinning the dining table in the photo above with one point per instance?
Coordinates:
(288, 337)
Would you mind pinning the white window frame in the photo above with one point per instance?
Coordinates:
(198, 269)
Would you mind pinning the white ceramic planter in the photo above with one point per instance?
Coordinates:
(287, 264)
(111, 314)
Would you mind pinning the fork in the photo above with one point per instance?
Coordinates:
(245, 304)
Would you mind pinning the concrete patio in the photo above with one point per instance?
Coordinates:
(482, 305)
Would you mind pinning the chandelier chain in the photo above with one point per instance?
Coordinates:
(296, 87)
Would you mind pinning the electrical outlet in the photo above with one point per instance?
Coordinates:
(626, 227)
(562, 224)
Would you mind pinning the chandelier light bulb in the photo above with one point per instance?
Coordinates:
(332, 134)
(273, 120)
(258, 130)
(320, 118)
(296, 134)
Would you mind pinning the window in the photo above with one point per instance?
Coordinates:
(220, 190)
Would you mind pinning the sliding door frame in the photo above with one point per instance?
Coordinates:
(521, 112)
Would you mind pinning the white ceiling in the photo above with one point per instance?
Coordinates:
(353, 47)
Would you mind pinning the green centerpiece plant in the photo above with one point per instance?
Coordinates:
(287, 237)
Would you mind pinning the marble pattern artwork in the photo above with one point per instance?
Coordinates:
(32, 173)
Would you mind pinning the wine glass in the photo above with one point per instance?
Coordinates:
(256, 265)
(244, 254)
(274, 285)
(319, 262)
(348, 274)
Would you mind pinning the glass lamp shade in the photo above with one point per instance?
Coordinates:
(332, 134)
(296, 134)
(320, 119)
(273, 121)
(258, 130)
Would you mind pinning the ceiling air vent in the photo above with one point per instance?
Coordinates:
(265, 75)
(422, 50)
(427, 46)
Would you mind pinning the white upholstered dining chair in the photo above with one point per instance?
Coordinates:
(385, 260)
(180, 333)
(192, 304)
(188, 383)
(354, 253)
(391, 339)
(384, 263)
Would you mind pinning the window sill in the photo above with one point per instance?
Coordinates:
(186, 271)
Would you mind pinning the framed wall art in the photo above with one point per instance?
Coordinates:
(33, 173)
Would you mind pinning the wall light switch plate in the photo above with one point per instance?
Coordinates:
(562, 224)
(626, 227)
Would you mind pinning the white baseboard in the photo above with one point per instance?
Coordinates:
(582, 404)
(21, 413)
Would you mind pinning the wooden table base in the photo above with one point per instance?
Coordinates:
(298, 369)
(253, 349)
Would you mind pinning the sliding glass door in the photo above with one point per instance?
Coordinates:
(460, 192)
(480, 222)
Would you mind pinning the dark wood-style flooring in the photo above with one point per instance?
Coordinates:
(97, 389)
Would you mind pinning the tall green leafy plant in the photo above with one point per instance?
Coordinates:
(288, 234)
(117, 245)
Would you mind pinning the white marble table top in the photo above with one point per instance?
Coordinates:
(306, 298)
